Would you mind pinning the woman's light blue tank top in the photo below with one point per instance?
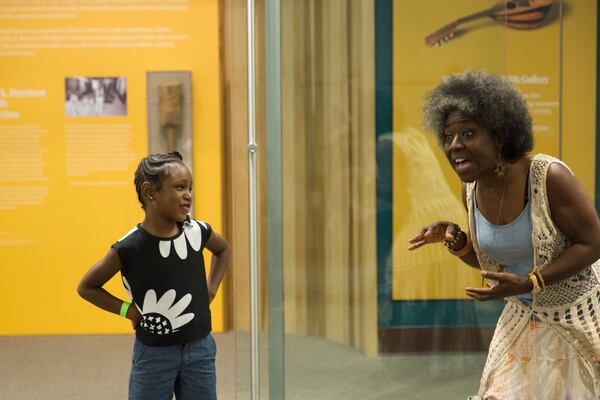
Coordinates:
(508, 244)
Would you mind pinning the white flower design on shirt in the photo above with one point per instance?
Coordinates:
(191, 233)
(162, 316)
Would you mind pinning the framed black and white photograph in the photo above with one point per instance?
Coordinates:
(95, 96)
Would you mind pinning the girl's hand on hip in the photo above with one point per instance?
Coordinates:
(134, 315)
(434, 233)
(506, 285)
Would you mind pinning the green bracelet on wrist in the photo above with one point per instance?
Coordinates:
(124, 308)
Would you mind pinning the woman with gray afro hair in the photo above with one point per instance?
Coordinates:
(493, 100)
(532, 230)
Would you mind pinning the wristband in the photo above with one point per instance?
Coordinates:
(536, 288)
(466, 249)
(124, 308)
(538, 275)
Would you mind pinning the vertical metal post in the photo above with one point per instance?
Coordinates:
(252, 149)
(274, 200)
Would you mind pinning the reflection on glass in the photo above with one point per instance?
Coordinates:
(363, 317)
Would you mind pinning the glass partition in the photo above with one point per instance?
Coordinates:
(346, 173)
(362, 316)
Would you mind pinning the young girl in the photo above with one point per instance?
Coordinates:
(163, 272)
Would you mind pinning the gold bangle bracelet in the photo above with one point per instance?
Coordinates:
(540, 278)
(536, 288)
(466, 249)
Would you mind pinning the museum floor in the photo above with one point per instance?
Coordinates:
(96, 367)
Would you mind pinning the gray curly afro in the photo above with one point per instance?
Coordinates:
(488, 98)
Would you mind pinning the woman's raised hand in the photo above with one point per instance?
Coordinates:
(434, 233)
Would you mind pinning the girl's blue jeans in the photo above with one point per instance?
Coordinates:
(187, 370)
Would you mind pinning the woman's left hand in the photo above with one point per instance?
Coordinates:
(506, 285)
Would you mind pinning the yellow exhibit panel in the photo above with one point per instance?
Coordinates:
(426, 189)
(73, 126)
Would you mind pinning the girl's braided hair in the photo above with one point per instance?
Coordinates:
(154, 169)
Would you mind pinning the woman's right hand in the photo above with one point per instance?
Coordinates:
(434, 233)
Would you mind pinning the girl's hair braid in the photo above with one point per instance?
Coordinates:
(154, 169)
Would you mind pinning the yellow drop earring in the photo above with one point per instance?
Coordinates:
(499, 170)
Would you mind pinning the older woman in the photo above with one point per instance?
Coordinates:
(535, 234)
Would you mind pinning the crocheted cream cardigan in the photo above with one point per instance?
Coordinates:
(571, 307)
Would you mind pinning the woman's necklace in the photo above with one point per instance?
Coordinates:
(499, 267)
(500, 205)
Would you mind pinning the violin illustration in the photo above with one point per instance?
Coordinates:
(516, 14)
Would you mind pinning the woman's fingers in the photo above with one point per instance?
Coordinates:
(418, 240)
(482, 294)
(489, 292)
(422, 238)
(450, 231)
(497, 276)
(417, 244)
(417, 237)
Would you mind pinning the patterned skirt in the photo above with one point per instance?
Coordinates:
(540, 364)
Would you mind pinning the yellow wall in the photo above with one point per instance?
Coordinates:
(579, 91)
(45, 247)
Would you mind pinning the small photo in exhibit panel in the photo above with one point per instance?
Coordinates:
(170, 113)
(95, 96)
